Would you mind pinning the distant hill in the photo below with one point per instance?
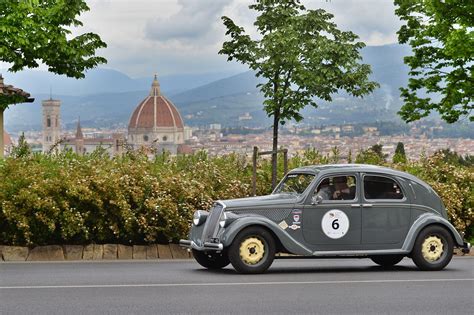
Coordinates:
(225, 100)
(106, 110)
(100, 81)
(107, 97)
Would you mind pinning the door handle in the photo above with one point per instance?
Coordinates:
(355, 205)
(367, 205)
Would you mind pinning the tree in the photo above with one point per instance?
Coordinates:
(377, 149)
(36, 31)
(302, 55)
(441, 35)
(400, 156)
(369, 157)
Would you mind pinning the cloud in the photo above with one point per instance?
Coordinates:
(373, 20)
(194, 21)
(183, 36)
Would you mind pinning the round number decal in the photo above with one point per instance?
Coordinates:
(335, 224)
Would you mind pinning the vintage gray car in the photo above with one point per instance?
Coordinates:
(349, 210)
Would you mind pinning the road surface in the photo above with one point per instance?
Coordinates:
(322, 286)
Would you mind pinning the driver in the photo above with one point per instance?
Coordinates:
(342, 190)
(324, 190)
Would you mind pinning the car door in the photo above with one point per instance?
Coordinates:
(333, 224)
(386, 211)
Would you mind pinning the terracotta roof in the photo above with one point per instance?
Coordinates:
(10, 90)
(7, 140)
(185, 149)
(156, 111)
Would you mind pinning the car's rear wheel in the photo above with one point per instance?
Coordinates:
(252, 250)
(433, 248)
(211, 260)
(387, 260)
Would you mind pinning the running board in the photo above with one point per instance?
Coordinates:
(354, 253)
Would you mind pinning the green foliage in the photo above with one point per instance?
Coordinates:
(71, 199)
(453, 183)
(79, 199)
(452, 157)
(22, 149)
(441, 34)
(373, 155)
(400, 156)
(39, 31)
(369, 157)
(6, 100)
(302, 56)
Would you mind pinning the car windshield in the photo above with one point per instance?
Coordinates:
(294, 184)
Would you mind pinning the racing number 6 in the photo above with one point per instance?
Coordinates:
(335, 224)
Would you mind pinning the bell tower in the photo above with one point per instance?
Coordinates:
(51, 124)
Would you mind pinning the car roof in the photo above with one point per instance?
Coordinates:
(368, 168)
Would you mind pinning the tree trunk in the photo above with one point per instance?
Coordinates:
(1, 134)
(276, 122)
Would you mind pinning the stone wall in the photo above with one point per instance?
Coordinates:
(105, 252)
(93, 252)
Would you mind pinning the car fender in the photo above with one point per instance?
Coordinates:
(290, 244)
(428, 219)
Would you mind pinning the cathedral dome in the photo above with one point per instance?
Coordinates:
(155, 112)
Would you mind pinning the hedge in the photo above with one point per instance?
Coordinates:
(71, 199)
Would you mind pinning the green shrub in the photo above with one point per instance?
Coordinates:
(71, 199)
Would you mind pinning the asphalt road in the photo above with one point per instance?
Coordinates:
(323, 286)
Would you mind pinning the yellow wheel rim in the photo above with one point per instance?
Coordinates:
(432, 248)
(252, 250)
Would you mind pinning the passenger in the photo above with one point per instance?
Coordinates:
(342, 192)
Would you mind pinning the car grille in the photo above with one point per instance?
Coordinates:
(211, 225)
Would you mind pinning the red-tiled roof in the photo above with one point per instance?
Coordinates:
(10, 90)
(155, 111)
(6, 138)
(184, 149)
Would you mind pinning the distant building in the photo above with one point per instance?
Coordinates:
(245, 116)
(188, 133)
(51, 124)
(156, 123)
(7, 142)
(82, 145)
(215, 126)
(52, 139)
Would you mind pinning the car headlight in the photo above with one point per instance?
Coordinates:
(223, 220)
(199, 217)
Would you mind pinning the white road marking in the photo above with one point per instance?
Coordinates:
(215, 284)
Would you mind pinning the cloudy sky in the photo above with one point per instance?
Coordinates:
(184, 36)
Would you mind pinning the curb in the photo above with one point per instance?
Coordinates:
(93, 252)
(108, 252)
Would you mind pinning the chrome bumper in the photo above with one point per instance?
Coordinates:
(204, 247)
(466, 248)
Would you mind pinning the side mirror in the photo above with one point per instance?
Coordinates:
(316, 199)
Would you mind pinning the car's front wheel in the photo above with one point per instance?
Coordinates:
(252, 250)
(387, 260)
(211, 260)
(433, 248)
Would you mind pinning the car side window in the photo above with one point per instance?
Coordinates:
(378, 187)
(337, 188)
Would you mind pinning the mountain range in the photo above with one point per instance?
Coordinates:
(106, 97)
